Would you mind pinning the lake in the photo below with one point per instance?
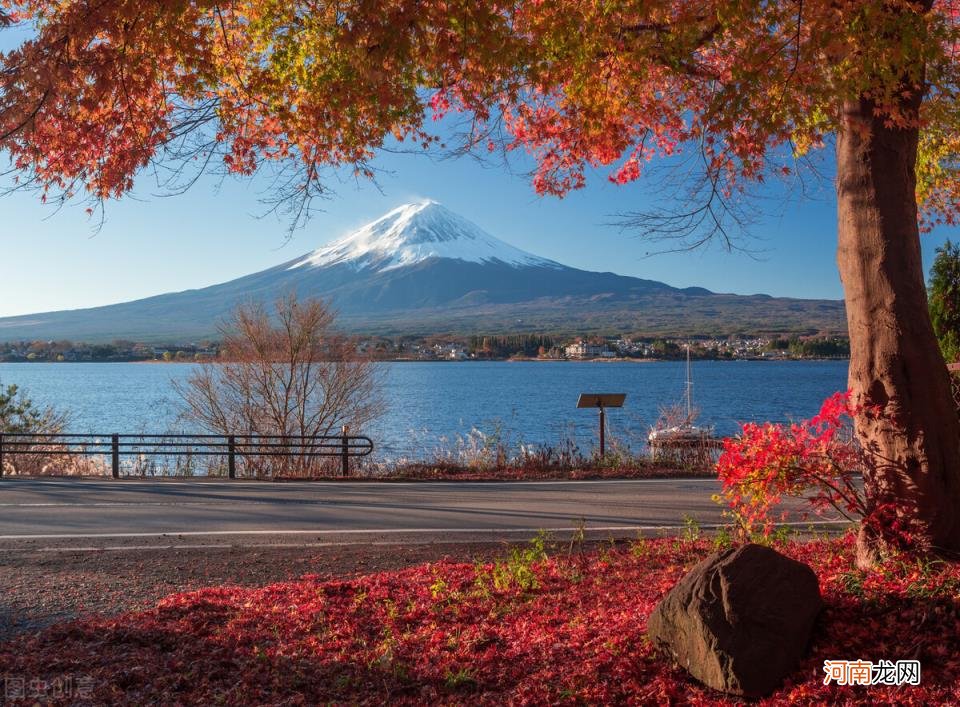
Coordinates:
(433, 404)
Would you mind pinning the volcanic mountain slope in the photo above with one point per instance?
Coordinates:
(423, 269)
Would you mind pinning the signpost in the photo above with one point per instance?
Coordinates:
(601, 401)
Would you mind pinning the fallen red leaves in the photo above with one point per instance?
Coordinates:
(531, 631)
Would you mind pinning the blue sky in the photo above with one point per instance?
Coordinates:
(151, 244)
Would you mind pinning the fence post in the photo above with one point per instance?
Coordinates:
(115, 456)
(345, 453)
(1, 455)
(603, 435)
(231, 457)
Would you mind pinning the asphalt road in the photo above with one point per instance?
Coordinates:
(54, 511)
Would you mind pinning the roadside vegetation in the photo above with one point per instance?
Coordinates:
(498, 455)
(20, 415)
(471, 457)
(494, 454)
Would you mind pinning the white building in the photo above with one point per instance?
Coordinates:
(582, 349)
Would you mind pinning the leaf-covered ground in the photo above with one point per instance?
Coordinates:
(40, 586)
(525, 630)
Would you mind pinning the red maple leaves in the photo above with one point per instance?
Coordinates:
(818, 459)
(104, 89)
(571, 632)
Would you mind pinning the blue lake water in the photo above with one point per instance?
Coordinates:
(431, 404)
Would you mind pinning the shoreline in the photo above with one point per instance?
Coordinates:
(483, 360)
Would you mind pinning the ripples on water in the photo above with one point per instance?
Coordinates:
(434, 404)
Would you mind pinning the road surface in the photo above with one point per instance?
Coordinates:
(50, 511)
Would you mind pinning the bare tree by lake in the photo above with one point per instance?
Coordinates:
(284, 372)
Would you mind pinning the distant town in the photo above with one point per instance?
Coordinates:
(451, 348)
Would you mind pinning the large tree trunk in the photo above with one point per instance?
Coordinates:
(895, 362)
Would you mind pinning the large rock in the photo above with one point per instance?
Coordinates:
(740, 620)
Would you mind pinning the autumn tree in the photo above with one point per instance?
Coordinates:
(736, 92)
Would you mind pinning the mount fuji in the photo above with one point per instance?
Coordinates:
(422, 269)
(414, 233)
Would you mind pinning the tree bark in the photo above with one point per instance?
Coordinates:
(895, 362)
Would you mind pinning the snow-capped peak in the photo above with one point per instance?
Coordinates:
(413, 233)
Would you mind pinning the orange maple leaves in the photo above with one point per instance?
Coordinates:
(103, 89)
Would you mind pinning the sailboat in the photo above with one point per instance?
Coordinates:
(681, 433)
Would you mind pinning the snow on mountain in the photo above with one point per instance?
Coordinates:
(413, 233)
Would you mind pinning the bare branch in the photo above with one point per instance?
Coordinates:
(285, 372)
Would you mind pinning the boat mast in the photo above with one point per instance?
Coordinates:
(689, 387)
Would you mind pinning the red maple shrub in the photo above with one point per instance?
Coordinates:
(528, 630)
(817, 459)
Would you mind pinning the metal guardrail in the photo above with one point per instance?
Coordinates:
(173, 445)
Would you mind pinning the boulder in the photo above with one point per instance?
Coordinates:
(741, 620)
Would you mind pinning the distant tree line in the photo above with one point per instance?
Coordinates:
(511, 345)
(812, 347)
(119, 350)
